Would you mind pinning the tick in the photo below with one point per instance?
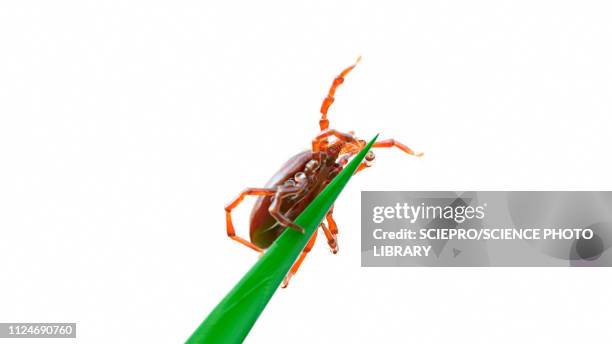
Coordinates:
(299, 181)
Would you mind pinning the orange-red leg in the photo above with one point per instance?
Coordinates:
(362, 166)
(330, 234)
(231, 231)
(333, 227)
(321, 139)
(392, 143)
(331, 239)
(299, 261)
(327, 102)
(384, 144)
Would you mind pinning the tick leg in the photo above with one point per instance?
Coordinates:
(392, 143)
(331, 239)
(333, 227)
(327, 102)
(321, 138)
(332, 232)
(275, 208)
(384, 144)
(362, 166)
(231, 232)
(299, 261)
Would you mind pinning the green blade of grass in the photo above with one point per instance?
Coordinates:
(232, 319)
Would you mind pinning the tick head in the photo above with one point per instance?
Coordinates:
(333, 151)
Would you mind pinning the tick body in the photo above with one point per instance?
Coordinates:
(299, 181)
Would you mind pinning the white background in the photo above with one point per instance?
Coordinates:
(126, 126)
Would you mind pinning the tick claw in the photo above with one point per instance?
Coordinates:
(299, 229)
(285, 283)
